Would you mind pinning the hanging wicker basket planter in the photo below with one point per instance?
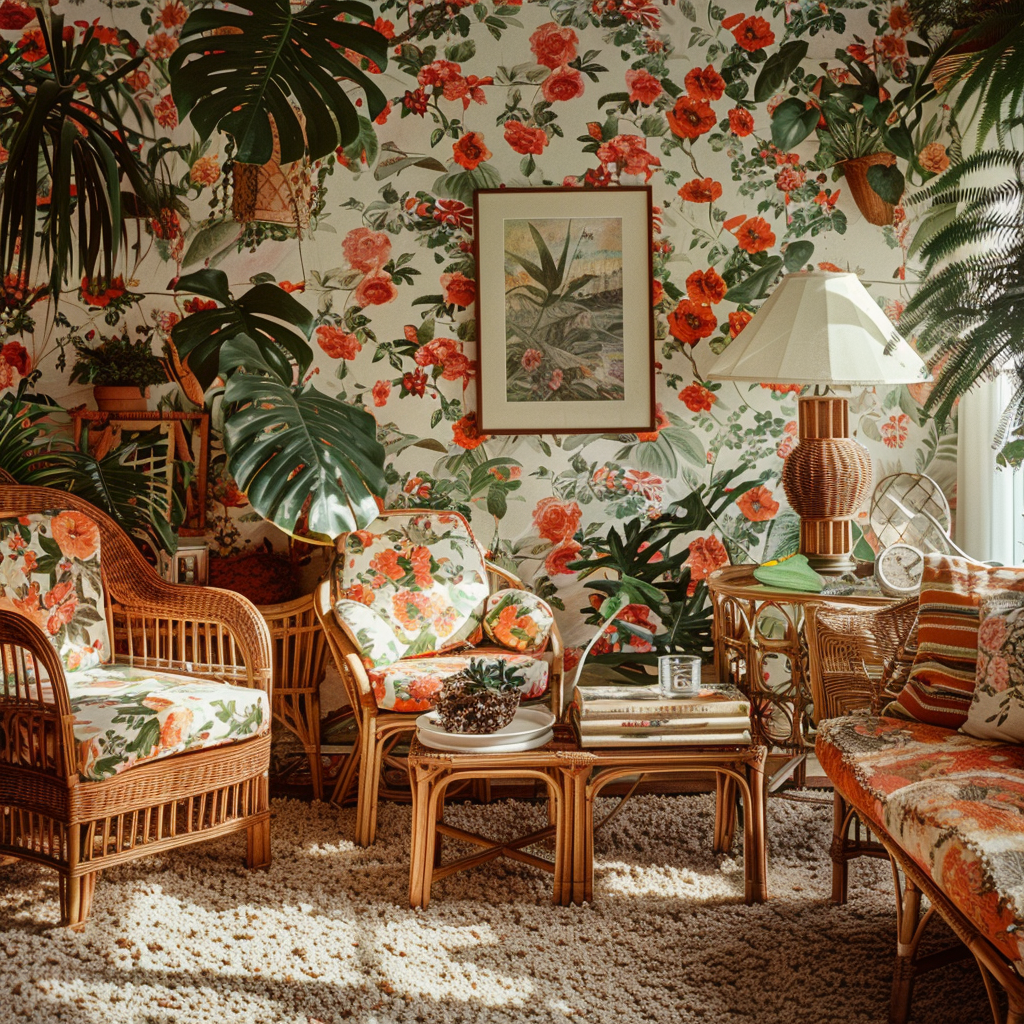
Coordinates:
(875, 209)
(273, 193)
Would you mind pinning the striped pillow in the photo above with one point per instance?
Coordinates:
(942, 680)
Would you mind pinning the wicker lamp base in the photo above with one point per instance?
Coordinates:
(826, 478)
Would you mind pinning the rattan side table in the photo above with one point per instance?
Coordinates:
(559, 765)
(754, 625)
(738, 771)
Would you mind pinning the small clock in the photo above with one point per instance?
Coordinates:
(898, 570)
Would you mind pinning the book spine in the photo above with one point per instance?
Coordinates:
(707, 739)
(728, 723)
(614, 710)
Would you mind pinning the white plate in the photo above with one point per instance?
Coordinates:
(436, 742)
(527, 724)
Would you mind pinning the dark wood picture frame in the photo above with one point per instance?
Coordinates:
(539, 390)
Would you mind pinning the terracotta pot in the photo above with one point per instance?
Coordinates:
(875, 209)
(111, 398)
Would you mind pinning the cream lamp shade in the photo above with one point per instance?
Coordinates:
(822, 328)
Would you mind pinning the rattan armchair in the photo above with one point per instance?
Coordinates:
(381, 730)
(48, 813)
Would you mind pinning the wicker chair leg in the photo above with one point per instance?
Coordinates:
(257, 846)
(346, 777)
(908, 934)
(76, 899)
(840, 860)
(371, 758)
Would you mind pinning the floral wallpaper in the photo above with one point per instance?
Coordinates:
(377, 241)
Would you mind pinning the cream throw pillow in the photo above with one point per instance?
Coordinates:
(997, 708)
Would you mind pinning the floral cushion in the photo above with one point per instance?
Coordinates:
(997, 708)
(422, 572)
(50, 573)
(414, 685)
(518, 620)
(953, 803)
(125, 716)
(372, 632)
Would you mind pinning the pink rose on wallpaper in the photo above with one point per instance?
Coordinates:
(553, 45)
(338, 344)
(458, 289)
(524, 139)
(376, 290)
(366, 250)
(556, 520)
(470, 151)
(562, 85)
(697, 398)
(557, 562)
(643, 87)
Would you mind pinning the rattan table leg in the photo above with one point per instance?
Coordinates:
(420, 869)
(571, 881)
(725, 812)
(755, 845)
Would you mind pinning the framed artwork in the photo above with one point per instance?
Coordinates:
(565, 326)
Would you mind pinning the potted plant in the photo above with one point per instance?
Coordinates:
(71, 153)
(119, 369)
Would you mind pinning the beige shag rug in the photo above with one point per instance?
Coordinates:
(327, 934)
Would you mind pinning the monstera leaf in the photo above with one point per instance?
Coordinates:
(245, 70)
(70, 154)
(275, 322)
(288, 446)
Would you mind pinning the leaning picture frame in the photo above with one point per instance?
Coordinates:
(565, 325)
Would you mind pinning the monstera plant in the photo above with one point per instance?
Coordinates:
(63, 126)
(306, 460)
(276, 67)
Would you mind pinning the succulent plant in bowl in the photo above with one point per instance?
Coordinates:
(482, 698)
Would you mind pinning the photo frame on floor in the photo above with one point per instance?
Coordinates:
(565, 326)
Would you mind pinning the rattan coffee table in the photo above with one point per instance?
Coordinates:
(558, 765)
(738, 771)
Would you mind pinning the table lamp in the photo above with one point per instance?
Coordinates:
(823, 329)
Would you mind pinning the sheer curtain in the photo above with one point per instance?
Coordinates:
(990, 500)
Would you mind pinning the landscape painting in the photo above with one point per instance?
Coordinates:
(564, 310)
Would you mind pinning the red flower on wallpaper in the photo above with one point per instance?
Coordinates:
(706, 555)
(338, 344)
(690, 118)
(15, 15)
(470, 151)
(99, 293)
(375, 289)
(697, 398)
(784, 389)
(690, 321)
(15, 354)
(661, 421)
(757, 504)
(896, 430)
(415, 383)
(557, 562)
(706, 286)
(458, 289)
(366, 250)
(704, 84)
(755, 235)
(380, 392)
(738, 320)
(466, 434)
(553, 45)
(644, 88)
(701, 190)
(562, 85)
(753, 34)
(629, 155)
(741, 122)
(556, 520)
(524, 139)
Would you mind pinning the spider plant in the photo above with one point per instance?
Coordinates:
(67, 140)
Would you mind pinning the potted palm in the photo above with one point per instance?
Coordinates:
(120, 370)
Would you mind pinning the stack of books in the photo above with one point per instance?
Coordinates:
(623, 716)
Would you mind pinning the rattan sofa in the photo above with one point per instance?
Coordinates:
(913, 793)
(49, 813)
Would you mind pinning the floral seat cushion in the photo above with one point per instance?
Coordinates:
(422, 573)
(50, 574)
(953, 802)
(414, 684)
(124, 716)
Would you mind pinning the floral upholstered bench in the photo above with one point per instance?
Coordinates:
(936, 772)
(134, 714)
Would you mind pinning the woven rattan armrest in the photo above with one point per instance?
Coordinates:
(849, 649)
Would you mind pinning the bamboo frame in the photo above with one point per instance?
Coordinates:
(50, 815)
(380, 730)
(300, 657)
(849, 648)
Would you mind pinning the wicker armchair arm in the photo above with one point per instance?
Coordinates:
(849, 648)
(510, 578)
(210, 632)
(35, 694)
